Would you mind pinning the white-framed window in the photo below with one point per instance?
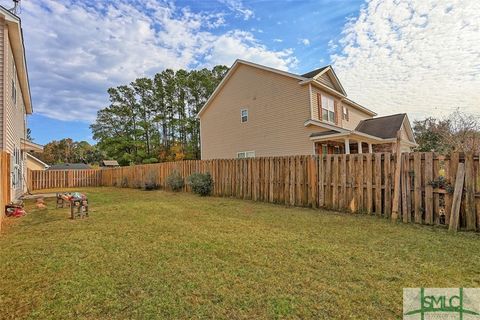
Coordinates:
(245, 154)
(345, 115)
(328, 109)
(244, 115)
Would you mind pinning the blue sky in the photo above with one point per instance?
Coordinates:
(419, 57)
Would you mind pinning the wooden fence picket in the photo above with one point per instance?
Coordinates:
(356, 183)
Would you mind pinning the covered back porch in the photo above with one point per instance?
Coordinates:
(347, 143)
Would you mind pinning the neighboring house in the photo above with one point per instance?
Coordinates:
(109, 164)
(69, 166)
(33, 163)
(257, 111)
(15, 100)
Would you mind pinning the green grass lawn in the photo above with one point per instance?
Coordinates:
(149, 255)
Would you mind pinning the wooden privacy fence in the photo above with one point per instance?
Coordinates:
(5, 192)
(54, 179)
(359, 183)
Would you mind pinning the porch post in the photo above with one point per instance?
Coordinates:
(360, 147)
(370, 148)
(347, 146)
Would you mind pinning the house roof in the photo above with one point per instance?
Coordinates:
(15, 34)
(302, 81)
(110, 163)
(35, 159)
(382, 127)
(324, 133)
(69, 166)
(30, 146)
(313, 73)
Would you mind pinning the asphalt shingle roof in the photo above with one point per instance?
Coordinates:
(69, 166)
(313, 73)
(323, 133)
(382, 127)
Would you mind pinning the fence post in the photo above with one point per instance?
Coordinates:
(396, 188)
(470, 193)
(457, 198)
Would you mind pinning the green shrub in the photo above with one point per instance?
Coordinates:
(150, 182)
(201, 183)
(175, 181)
(150, 160)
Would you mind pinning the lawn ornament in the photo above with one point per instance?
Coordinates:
(14, 210)
(40, 204)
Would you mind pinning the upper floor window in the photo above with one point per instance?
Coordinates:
(244, 115)
(246, 154)
(328, 109)
(345, 114)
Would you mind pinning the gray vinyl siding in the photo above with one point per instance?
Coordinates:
(14, 113)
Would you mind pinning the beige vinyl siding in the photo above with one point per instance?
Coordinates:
(15, 127)
(326, 80)
(277, 109)
(33, 164)
(354, 117)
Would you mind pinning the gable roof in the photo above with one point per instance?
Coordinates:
(15, 34)
(382, 127)
(326, 75)
(313, 73)
(35, 159)
(302, 81)
(232, 70)
(69, 166)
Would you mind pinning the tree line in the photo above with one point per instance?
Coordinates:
(70, 151)
(155, 119)
(459, 132)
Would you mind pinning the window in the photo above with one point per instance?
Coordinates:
(328, 109)
(245, 154)
(244, 115)
(345, 113)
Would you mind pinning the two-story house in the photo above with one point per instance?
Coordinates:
(15, 100)
(257, 111)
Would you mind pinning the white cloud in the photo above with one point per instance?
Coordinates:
(239, 7)
(240, 44)
(420, 57)
(305, 42)
(76, 50)
(277, 40)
